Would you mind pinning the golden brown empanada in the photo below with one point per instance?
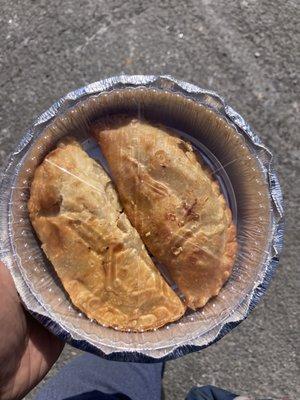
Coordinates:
(97, 254)
(174, 204)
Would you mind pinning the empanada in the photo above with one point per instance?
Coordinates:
(97, 254)
(173, 202)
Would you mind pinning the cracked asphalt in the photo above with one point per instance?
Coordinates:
(248, 51)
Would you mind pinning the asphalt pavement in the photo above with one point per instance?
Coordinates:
(247, 51)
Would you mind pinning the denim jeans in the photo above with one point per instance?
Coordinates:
(89, 377)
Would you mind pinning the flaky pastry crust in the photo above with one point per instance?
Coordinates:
(173, 202)
(96, 253)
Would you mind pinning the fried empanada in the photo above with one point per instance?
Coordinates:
(173, 202)
(97, 254)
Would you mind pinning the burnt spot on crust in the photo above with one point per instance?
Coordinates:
(118, 247)
(185, 146)
(170, 216)
(50, 207)
(189, 210)
(159, 160)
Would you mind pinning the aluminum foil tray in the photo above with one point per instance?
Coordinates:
(240, 162)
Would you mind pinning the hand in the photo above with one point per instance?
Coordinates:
(27, 349)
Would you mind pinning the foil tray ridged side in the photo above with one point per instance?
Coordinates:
(147, 352)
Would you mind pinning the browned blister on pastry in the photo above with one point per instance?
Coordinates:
(173, 202)
(97, 254)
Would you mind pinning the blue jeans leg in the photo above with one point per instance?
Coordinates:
(91, 377)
